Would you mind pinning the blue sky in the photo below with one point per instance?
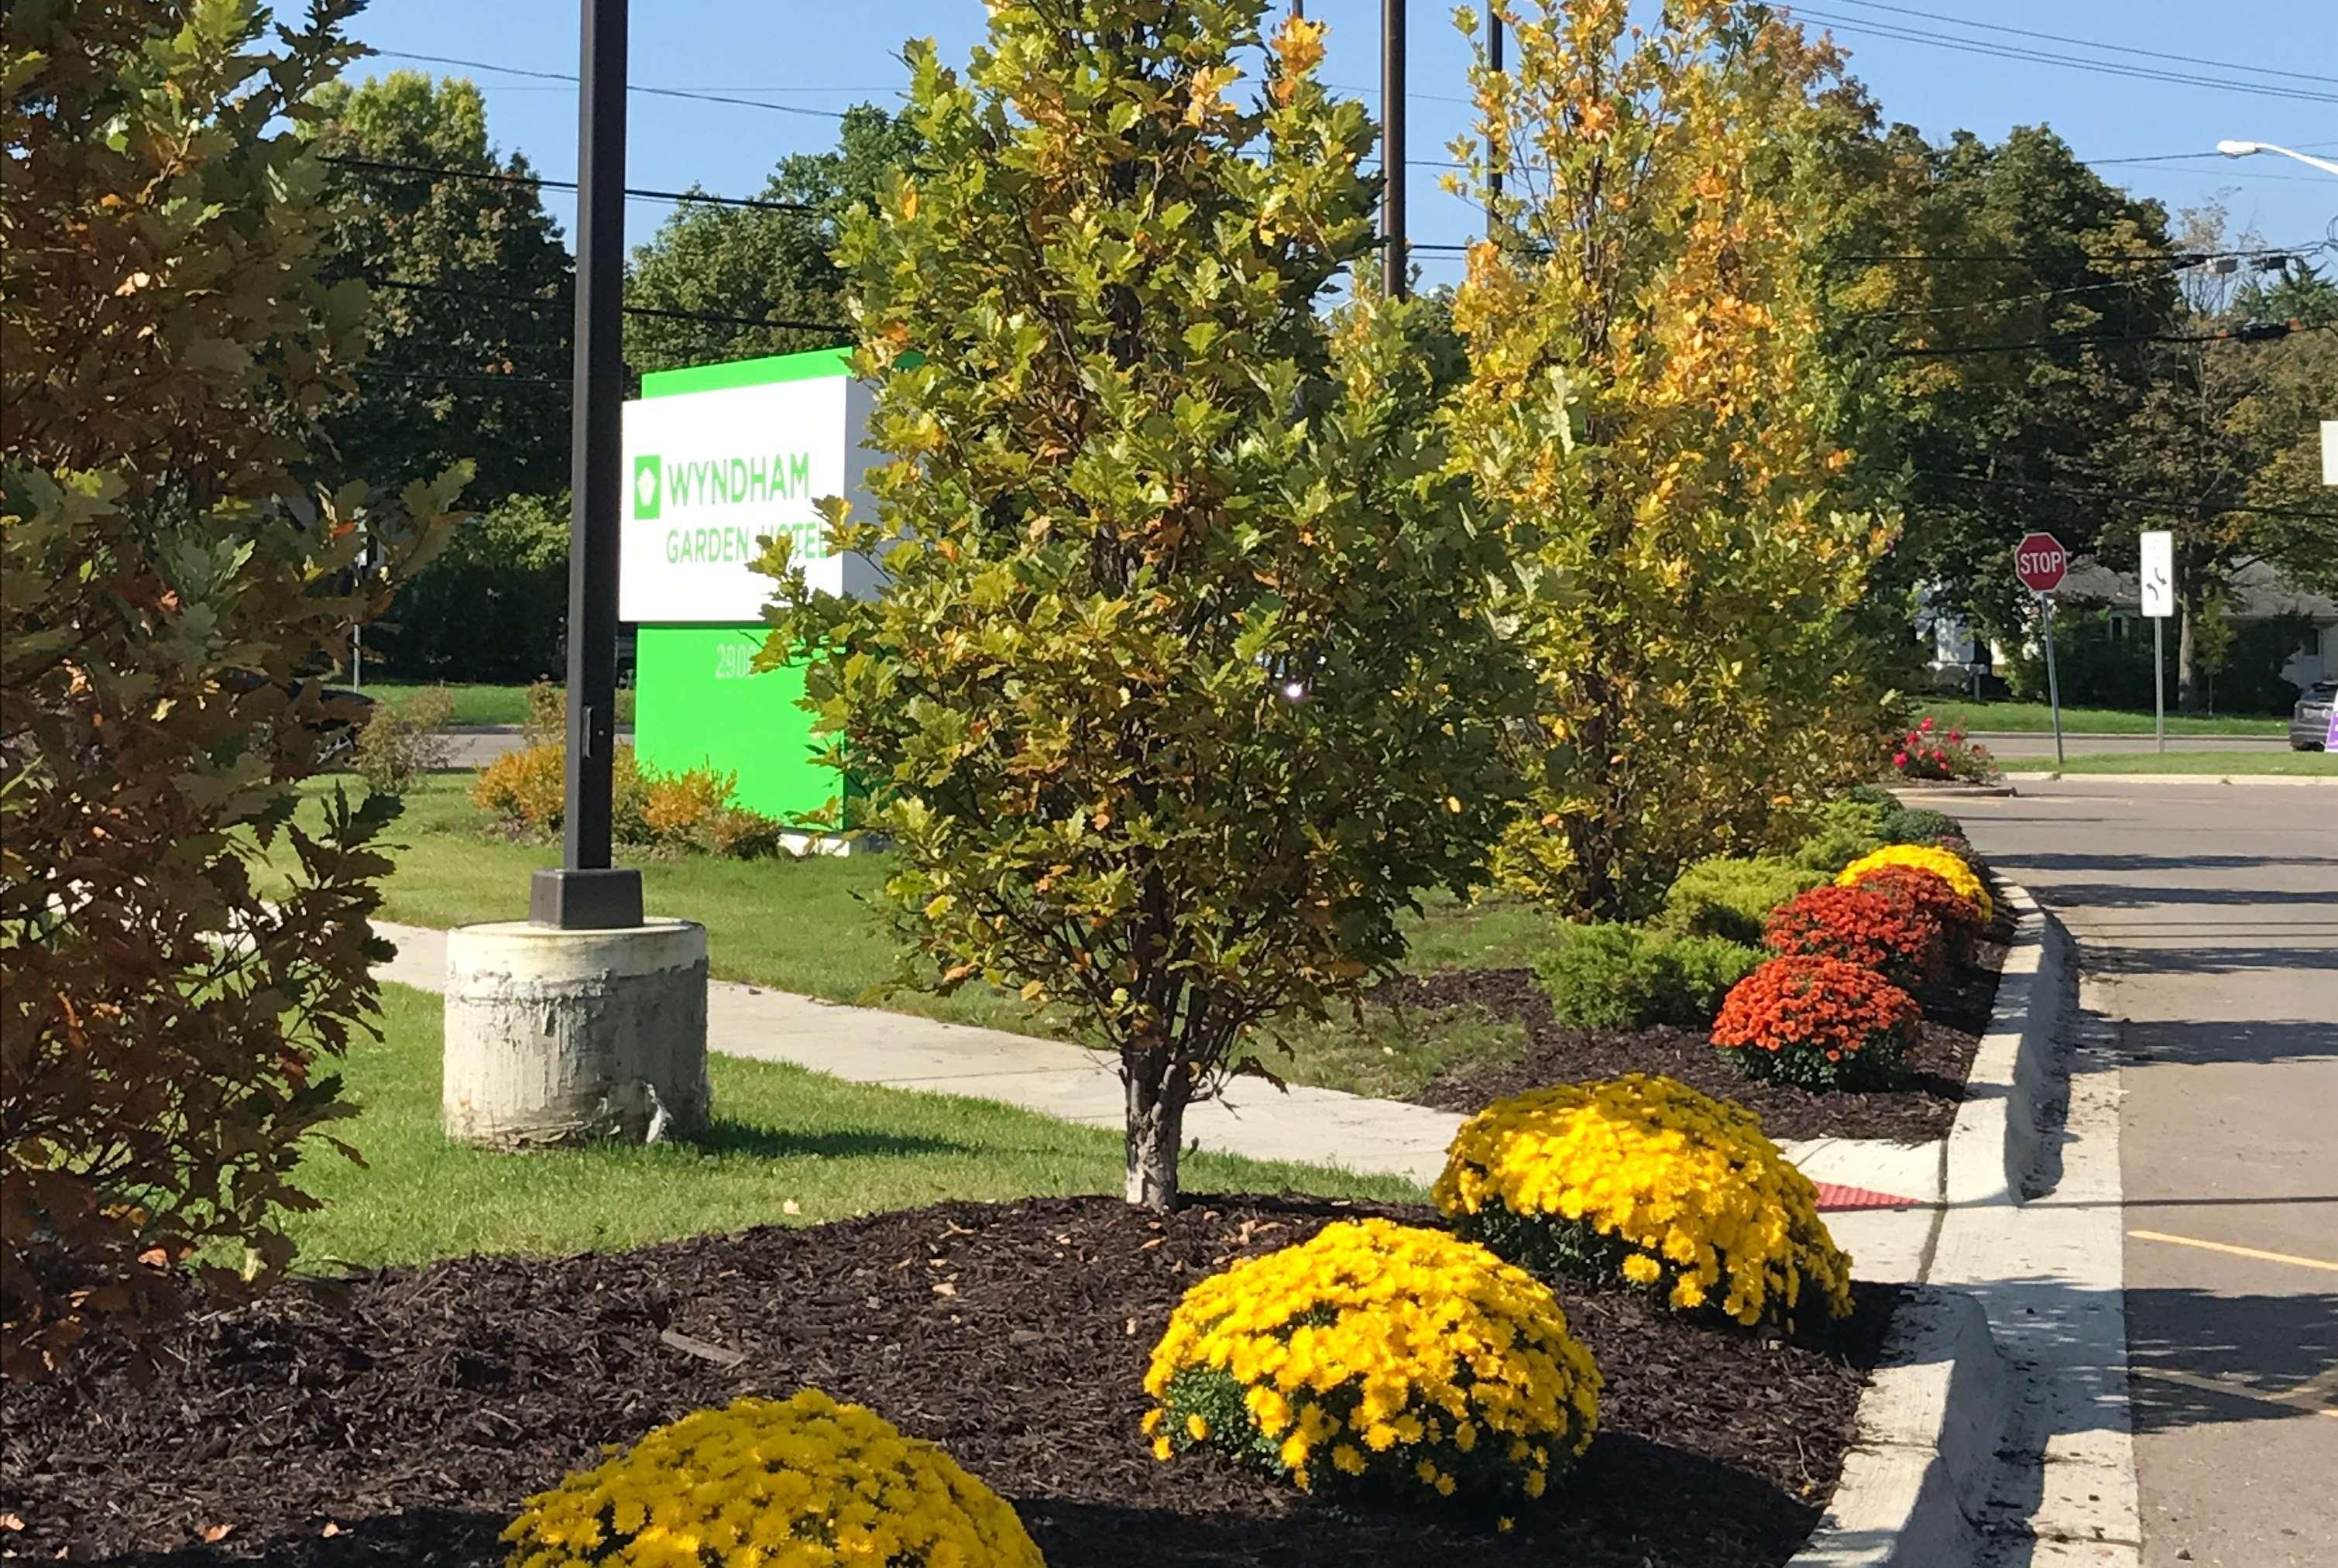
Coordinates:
(826, 56)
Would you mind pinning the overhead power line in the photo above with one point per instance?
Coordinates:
(713, 318)
(1860, 26)
(437, 170)
(630, 86)
(2166, 503)
(2085, 43)
(2254, 333)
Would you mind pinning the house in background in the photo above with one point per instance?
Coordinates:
(2280, 634)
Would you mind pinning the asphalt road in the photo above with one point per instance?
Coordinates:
(2009, 744)
(2212, 912)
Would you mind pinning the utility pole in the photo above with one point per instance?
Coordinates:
(1493, 167)
(588, 893)
(1392, 143)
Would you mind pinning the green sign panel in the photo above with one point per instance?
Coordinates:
(700, 703)
(718, 456)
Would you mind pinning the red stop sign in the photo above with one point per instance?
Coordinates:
(2039, 560)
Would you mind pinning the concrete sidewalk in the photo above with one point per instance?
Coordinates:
(902, 1051)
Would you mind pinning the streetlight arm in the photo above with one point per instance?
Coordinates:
(2242, 149)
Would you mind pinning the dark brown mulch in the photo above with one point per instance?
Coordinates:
(1956, 1013)
(411, 1412)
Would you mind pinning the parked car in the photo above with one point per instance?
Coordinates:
(2310, 724)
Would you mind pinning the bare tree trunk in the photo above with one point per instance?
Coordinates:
(1158, 1089)
(2188, 690)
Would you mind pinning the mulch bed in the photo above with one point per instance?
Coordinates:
(408, 1413)
(1956, 1014)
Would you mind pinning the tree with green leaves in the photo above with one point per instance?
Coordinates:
(760, 263)
(468, 352)
(2000, 296)
(1648, 406)
(169, 337)
(1184, 687)
(2223, 446)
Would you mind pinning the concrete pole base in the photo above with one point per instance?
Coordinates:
(557, 1038)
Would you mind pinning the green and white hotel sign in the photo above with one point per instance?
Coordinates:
(720, 458)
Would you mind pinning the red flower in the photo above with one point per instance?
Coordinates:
(1928, 892)
(1895, 936)
(1899, 759)
(1818, 1022)
(1926, 725)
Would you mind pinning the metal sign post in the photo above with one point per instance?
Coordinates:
(2053, 681)
(588, 893)
(2155, 580)
(2041, 562)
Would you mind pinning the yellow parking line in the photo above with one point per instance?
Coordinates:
(2235, 1251)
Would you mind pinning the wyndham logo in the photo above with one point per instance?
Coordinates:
(718, 482)
(649, 487)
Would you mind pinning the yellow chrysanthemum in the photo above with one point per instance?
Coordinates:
(1386, 1350)
(1951, 868)
(1644, 1178)
(764, 1480)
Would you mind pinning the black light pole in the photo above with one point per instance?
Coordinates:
(587, 893)
(1493, 167)
(1392, 142)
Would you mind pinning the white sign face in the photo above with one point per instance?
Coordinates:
(712, 477)
(2158, 574)
(2330, 451)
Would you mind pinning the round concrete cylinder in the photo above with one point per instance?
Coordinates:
(557, 1038)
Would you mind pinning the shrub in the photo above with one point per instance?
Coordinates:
(800, 1480)
(1895, 938)
(493, 605)
(527, 786)
(1613, 976)
(167, 575)
(1382, 1360)
(678, 806)
(1839, 831)
(685, 811)
(1732, 898)
(1929, 893)
(400, 744)
(1918, 825)
(1872, 795)
(1645, 1181)
(733, 834)
(1949, 868)
(1820, 1023)
(1928, 751)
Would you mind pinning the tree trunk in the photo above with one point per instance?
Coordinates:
(1157, 1092)
(2187, 645)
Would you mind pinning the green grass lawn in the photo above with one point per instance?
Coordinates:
(2037, 719)
(806, 927)
(2233, 764)
(479, 704)
(783, 1135)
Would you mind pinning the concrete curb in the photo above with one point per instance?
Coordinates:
(1917, 1477)
(1928, 1430)
(2238, 776)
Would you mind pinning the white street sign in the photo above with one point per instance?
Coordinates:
(713, 474)
(2158, 574)
(2330, 451)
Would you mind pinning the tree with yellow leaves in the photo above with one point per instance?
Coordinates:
(1647, 402)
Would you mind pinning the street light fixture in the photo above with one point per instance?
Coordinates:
(2231, 149)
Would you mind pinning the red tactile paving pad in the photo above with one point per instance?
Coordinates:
(1836, 1195)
